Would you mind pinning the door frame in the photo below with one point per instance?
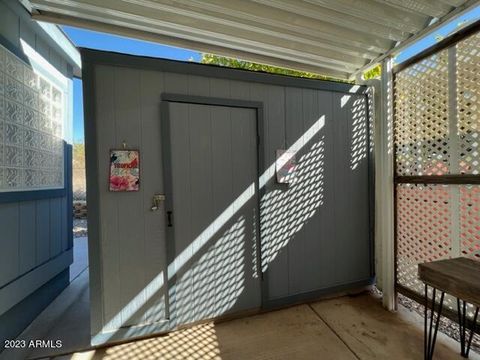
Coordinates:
(166, 99)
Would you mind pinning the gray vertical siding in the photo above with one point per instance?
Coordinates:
(36, 230)
(351, 174)
(315, 232)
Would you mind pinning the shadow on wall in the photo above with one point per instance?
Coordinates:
(359, 147)
(212, 284)
(210, 281)
(284, 213)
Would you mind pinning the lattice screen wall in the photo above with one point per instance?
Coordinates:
(421, 123)
(468, 103)
(437, 133)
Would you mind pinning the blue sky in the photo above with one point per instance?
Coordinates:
(102, 41)
(442, 32)
(95, 40)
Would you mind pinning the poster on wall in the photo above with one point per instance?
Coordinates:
(285, 165)
(124, 170)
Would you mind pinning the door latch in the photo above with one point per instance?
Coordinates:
(156, 200)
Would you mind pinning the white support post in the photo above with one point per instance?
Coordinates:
(384, 191)
(454, 149)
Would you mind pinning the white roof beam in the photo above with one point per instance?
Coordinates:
(432, 8)
(213, 42)
(263, 19)
(337, 18)
(455, 3)
(280, 13)
(166, 13)
(376, 12)
(186, 43)
(339, 36)
(200, 29)
(274, 29)
(237, 38)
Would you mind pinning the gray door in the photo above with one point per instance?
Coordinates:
(212, 204)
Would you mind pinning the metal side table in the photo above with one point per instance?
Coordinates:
(459, 277)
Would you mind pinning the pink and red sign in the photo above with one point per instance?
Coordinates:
(124, 170)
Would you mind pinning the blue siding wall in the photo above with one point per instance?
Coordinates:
(36, 226)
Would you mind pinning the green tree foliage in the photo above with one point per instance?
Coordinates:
(78, 156)
(246, 65)
(373, 73)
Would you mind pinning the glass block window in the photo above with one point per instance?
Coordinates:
(32, 113)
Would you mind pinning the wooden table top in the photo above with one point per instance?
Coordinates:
(459, 277)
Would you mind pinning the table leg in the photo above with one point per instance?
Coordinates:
(462, 323)
(430, 330)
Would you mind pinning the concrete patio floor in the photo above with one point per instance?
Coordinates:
(347, 327)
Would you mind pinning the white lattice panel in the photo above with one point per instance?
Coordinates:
(421, 117)
(424, 229)
(31, 128)
(437, 221)
(468, 103)
(470, 221)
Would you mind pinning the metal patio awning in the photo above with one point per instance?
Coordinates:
(338, 38)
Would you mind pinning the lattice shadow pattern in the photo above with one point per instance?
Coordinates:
(286, 212)
(210, 286)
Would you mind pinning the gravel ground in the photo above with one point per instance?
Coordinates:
(447, 326)
(79, 227)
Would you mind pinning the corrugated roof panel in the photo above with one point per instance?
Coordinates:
(431, 8)
(333, 37)
(377, 12)
(337, 18)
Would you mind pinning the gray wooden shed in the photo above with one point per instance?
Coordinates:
(228, 239)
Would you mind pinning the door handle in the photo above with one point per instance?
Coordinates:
(156, 200)
(169, 219)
